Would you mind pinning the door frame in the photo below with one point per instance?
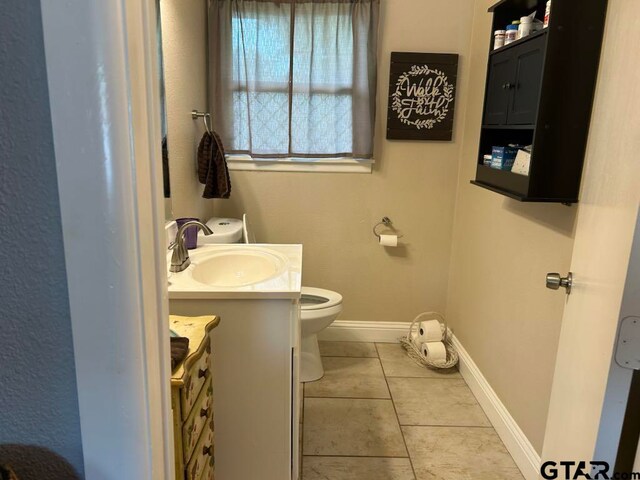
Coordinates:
(104, 95)
(619, 384)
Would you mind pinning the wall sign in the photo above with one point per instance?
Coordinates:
(422, 90)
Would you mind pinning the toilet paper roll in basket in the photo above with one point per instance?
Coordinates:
(429, 331)
(389, 240)
(436, 354)
(434, 351)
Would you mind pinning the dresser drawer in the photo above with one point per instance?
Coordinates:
(196, 378)
(208, 473)
(203, 455)
(197, 420)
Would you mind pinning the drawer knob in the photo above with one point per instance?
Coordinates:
(207, 450)
(204, 412)
(202, 373)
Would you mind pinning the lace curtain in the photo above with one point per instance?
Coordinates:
(294, 78)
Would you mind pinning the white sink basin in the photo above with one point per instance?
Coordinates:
(237, 267)
(238, 271)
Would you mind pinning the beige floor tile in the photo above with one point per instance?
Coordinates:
(459, 453)
(396, 363)
(431, 401)
(351, 427)
(349, 377)
(347, 349)
(356, 468)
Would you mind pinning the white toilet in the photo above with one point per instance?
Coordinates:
(319, 307)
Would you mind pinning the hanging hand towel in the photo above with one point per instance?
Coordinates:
(204, 157)
(212, 167)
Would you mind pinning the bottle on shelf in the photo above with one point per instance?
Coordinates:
(547, 14)
(498, 39)
(511, 34)
(526, 27)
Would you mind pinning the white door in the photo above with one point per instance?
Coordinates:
(606, 222)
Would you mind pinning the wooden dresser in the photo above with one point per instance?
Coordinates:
(192, 400)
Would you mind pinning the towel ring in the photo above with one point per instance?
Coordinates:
(206, 118)
(386, 221)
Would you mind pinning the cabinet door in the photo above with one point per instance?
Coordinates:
(527, 59)
(501, 75)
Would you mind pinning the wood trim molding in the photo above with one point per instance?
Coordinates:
(517, 443)
(103, 93)
(357, 331)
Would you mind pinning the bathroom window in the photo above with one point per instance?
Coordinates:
(293, 82)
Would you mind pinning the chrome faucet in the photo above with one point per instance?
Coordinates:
(180, 258)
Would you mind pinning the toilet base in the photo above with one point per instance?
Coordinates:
(310, 362)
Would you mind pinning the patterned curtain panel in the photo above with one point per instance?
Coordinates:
(294, 78)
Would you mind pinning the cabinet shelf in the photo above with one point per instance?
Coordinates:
(539, 92)
(520, 41)
(512, 185)
(521, 198)
(509, 127)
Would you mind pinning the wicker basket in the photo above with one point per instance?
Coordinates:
(414, 351)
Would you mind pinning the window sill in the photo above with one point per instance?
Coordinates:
(320, 165)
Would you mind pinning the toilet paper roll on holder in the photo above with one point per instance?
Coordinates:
(386, 221)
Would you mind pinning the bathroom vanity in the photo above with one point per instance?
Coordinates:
(255, 290)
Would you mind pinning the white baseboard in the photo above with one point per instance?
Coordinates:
(523, 453)
(356, 331)
(513, 437)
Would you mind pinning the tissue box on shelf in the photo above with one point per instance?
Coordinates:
(521, 163)
(502, 158)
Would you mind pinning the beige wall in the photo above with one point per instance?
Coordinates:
(413, 183)
(498, 304)
(184, 43)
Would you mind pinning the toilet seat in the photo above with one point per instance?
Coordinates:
(318, 298)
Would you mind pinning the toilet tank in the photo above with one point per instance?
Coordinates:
(225, 230)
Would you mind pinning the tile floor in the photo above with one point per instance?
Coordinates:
(376, 415)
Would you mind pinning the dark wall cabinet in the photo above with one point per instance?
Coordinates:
(513, 85)
(539, 92)
(497, 97)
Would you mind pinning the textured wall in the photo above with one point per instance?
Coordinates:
(498, 304)
(413, 183)
(38, 398)
(184, 46)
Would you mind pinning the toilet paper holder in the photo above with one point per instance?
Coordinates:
(386, 221)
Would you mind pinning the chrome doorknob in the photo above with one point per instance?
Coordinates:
(555, 281)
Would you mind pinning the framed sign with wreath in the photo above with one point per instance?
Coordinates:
(422, 90)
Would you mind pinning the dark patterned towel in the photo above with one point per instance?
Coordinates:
(212, 167)
(179, 350)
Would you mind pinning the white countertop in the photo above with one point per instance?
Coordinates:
(287, 283)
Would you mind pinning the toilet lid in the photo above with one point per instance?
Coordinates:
(318, 298)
